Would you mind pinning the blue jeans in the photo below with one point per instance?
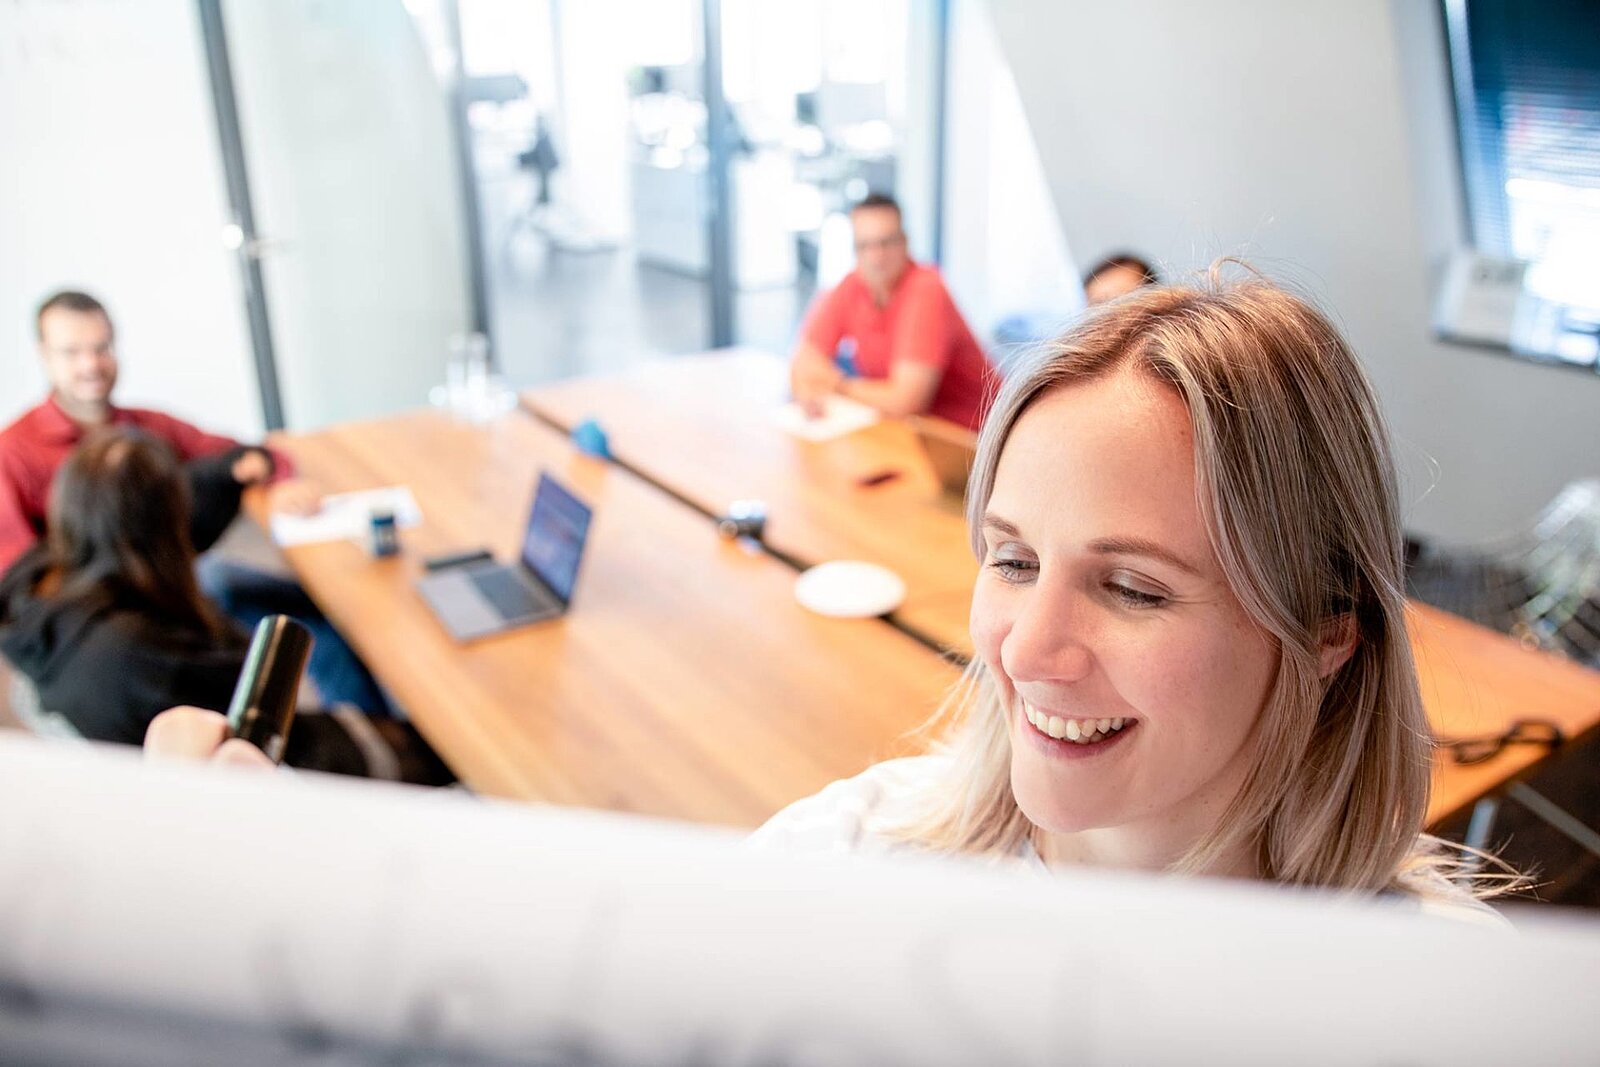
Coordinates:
(248, 596)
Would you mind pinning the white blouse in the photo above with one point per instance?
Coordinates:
(838, 820)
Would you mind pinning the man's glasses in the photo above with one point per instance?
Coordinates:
(1468, 750)
(882, 242)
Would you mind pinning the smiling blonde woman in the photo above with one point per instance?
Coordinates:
(1189, 625)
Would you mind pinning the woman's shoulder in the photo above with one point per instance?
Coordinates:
(841, 818)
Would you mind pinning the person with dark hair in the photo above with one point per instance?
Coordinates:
(77, 347)
(1117, 275)
(105, 617)
(909, 350)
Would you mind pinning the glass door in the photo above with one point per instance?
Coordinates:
(351, 164)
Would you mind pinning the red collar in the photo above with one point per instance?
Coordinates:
(56, 425)
(912, 267)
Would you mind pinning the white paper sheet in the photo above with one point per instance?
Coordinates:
(841, 416)
(345, 516)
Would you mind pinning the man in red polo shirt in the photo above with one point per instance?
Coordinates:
(76, 346)
(913, 352)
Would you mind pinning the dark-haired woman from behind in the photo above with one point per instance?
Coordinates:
(105, 618)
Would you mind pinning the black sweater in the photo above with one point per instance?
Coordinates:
(105, 664)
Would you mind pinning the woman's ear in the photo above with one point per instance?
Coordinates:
(1337, 639)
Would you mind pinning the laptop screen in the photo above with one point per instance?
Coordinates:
(556, 532)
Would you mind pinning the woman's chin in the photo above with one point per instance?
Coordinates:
(1045, 809)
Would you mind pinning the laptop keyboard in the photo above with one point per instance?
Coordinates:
(510, 597)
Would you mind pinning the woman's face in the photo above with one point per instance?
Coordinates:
(1101, 603)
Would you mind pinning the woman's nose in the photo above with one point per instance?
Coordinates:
(1047, 640)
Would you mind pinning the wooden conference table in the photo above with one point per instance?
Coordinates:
(701, 426)
(685, 682)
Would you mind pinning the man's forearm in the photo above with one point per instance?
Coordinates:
(808, 362)
(882, 394)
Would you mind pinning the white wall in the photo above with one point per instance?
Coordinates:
(1315, 140)
(111, 182)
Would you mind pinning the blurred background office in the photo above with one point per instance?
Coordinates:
(292, 207)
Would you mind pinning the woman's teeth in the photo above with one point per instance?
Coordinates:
(1081, 731)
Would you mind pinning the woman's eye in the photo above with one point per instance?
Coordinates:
(1134, 597)
(1013, 569)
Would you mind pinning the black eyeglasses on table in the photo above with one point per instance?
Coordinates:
(1467, 750)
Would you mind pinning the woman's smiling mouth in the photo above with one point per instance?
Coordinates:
(1083, 732)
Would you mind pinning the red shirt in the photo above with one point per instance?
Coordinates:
(921, 324)
(35, 446)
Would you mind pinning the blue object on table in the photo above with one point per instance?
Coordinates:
(591, 439)
(845, 358)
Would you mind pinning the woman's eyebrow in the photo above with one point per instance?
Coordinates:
(994, 522)
(1139, 546)
(1108, 546)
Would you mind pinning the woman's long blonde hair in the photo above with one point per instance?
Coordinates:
(1297, 489)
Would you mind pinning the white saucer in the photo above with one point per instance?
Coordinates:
(850, 589)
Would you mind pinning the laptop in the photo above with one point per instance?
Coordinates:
(950, 449)
(482, 598)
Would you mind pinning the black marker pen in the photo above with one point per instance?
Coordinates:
(262, 709)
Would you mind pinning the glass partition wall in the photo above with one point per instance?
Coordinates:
(603, 192)
(546, 171)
